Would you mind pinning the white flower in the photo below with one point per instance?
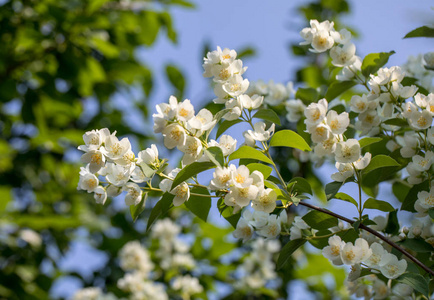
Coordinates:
(241, 196)
(148, 156)
(258, 219)
(363, 245)
(420, 120)
(236, 86)
(100, 195)
(187, 286)
(88, 181)
(31, 237)
(429, 59)
(297, 226)
(272, 229)
(348, 151)
(381, 291)
(391, 267)
(95, 159)
(94, 139)
(346, 170)
(192, 150)
(244, 230)
(235, 109)
(358, 103)
(223, 72)
(363, 162)
(116, 174)
(222, 177)
(134, 194)
(426, 199)
(398, 90)
(277, 93)
(133, 256)
(341, 37)
(259, 133)
(248, 139)
(409, 143)
(316, 112)
(127, 158)
(321, 41)
(351, 254)
(202, 121)
(241, 177)
(138, 176)
(250, 103)
(227, 143)
(355, 272)
(343, 55)
(113, 191)
(165, 112)
(348, 72)
(218, 57)
(265, 201)
(333, 251)
(115, 149)
(295, 109)
(185, 110)
(174, 135)
(90, 293)
(326, 147)
(181, 192)
(377, 253)
(319, 132)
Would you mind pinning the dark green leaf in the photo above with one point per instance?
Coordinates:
(287, 251)
(368, 141)
(418, 245)
(215, 154)
(380, 161)
(268, 115)
(411, 197)
(289, 138)
(176, 78)
(246, 52)
(431, 212)
(396, 122)
(319, 220)
(264, 169)
(136, 210)
(372, 203)
(251, 153)
(191, 170)
(225, 125)
(198, 205)
(307, 95)
(332, 188)
(392, 225)
(160, 209)
(416, 281)
(423, 31)
(337, 88)
(345, 197)
(374, 61)
(301, 185)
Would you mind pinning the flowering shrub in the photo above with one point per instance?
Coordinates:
(382, 133)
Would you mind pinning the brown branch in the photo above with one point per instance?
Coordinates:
(374, 232)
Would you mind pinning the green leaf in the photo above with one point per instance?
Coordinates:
(416, 281)
(176, 78)
(410, 199)
(380, 161)
(268, 115)
(418, 245)
(215, 154)
(191, 170)
(319, 220)
(184, 3)
(251, 153)
(264, 169)
(345, 197)
(136, 210)
(147, 170)
(392, 225)
(287, 251)
(5, 197)
(423, 31)
(307, 95)
(301, 185)
(374, 61)
(332, 188)
(95, 5)
(400, 189)
(198, 205)
(246, 52)
(430, 212)
(396, 122)
(368, 141)
(372, 203)
(227, 212)
(161, 208)
(225, 125)
(318, 242)
(337, 88)
(289, 138)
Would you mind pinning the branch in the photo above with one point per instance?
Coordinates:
(377, 234)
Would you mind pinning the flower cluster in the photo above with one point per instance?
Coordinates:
(106, 155)
(258, 267)
(266, 225)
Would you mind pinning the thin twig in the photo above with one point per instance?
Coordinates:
(377, 234)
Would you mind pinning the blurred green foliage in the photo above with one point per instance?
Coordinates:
(60, 64)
